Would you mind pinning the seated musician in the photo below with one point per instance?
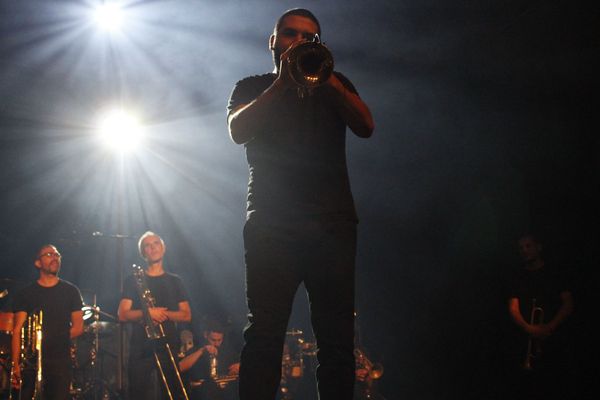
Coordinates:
(212, 368)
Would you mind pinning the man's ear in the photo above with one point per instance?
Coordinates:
(37, 263)
(272, 42)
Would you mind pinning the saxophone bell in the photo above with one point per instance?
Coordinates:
(213, 366)
(30, 361)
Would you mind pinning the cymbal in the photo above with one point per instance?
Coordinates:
(10, 283)
(102, 327)
(10, 280)
(90, 311)
(7, 287)
(7, 282)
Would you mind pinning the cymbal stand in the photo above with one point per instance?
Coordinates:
(95, 343)
(95, 385)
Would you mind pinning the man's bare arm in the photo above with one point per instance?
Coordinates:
(76, 324)
(353, 110)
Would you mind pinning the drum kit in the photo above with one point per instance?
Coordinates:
(6, 327)
(299, 355)
(93, 354)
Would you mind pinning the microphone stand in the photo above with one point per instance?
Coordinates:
(120, 238)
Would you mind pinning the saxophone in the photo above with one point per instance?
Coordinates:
(220, 380)
(156, 333)
(31, 354)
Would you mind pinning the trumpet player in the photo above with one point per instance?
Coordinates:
(540, 302)
(172, 306)
(62, 320)
(301, 220)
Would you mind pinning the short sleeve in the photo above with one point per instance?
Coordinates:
(76, 300)
(129, 290)
(181, 293)
(20, 303)
(248, 89)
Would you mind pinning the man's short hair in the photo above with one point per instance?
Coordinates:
(144, 236)
(301, 12)
(214, 325)
(533, 236)
(37, 253)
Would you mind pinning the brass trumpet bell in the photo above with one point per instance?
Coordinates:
(310, 64)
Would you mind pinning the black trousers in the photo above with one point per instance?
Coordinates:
(553, 373)
(279, 258)
(56, 375)
(144, 381)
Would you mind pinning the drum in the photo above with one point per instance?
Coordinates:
(296, 370)
(6, 327)
(4, 377)
(308, 349)
(292, 363)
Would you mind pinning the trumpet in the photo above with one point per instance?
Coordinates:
(534, 345)
(310, 64)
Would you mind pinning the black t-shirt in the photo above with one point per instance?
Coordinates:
(544, 285)
(297, 165)
(168, 291)
(57, 303)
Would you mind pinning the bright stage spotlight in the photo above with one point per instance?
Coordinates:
(109, 16)
(120, 130)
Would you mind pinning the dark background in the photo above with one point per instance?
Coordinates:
(485, 128)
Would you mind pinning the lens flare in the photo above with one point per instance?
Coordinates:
(109, 16)
(120, 130)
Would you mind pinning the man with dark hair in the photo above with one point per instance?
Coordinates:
(62, 320)
(212, 368)
(171, 306)
(540, 301)
(301, 219)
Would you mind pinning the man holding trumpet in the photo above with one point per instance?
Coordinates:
(540, 301)
(301, 220)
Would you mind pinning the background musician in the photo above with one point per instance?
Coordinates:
(197, 366)
(543, 287)
(172, 306)
(60, 302)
